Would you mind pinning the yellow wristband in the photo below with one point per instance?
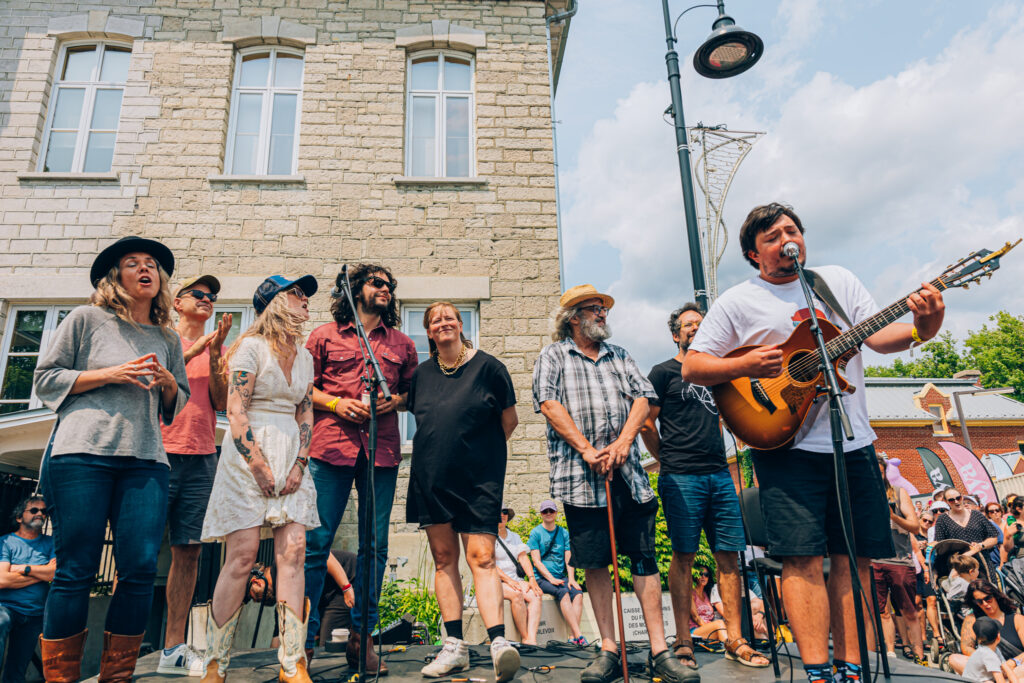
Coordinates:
(333, 403)
(915, 336)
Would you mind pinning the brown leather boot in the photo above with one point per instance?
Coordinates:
(372, 661)
(62, 658)
(119, 656)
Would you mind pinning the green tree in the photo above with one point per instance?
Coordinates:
(999, 352)
(939, 357)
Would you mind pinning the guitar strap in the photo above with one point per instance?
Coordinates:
(824, 293)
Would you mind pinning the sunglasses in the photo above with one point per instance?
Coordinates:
(548, 512)
(380, 283)
(596, 309)
(705, 575)
(958, 499)
(993, 511)
(199, 294)
(927, 521)
(36, 511)
(984, 599)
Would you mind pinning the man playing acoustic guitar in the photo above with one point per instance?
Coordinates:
(798, 497)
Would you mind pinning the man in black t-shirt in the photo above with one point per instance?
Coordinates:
(696, 489)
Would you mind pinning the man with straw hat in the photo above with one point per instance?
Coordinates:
(595, 400)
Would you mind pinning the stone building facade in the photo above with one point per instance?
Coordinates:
(450, 184)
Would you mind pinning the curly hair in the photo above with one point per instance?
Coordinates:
(19, 509)
(760, 219)
(1005, 602)
(563, 330)
(673, 318)
(426, 324)
(110, 293)
(277, 324)
(359, 275)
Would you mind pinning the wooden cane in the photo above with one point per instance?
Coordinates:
(618, 589)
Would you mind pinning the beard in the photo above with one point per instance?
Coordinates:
(36, 525)
(594, 332)
(369, 304)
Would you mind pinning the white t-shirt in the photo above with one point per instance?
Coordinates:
(516, 546)
(757, 312)
(982, 663)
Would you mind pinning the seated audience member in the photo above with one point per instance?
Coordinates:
(703, 623)
(985, 600)
(549, 551)
(338, 596)
(756, 610)
(27, 564)
(964, 569)
(512, 557)
(986, 663)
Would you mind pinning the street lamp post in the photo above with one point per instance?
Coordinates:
(728, 51)
(960, 410)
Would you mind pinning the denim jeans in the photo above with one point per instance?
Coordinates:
(19, 634)
(333, 486)
(83, 492)
(702, 501)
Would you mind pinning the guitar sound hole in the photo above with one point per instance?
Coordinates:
(803, 366)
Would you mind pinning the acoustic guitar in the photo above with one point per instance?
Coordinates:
(767, 413)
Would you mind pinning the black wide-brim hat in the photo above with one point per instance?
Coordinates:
(111, 256)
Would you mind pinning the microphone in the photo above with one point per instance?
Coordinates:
(336, 290)
(791, 249)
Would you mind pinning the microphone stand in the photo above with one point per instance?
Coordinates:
(840, 425)
(373, 380)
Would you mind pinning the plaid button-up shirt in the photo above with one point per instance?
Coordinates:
(598, 395)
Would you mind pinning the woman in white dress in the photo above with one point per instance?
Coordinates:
(262, 480)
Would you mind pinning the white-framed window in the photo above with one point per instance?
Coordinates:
(85, 107)
(242, 318)
(412, 325)
(27, 335)
(440, 115)
(266, 100)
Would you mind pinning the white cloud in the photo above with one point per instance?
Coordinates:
(893, 179)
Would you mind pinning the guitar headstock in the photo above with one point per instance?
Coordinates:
(981, 263)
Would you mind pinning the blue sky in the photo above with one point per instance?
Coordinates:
(892, 128)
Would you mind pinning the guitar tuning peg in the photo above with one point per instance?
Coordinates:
(988, 275)
(966, 285)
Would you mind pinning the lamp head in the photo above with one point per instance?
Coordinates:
(728, 51)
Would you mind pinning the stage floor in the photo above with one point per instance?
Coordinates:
(261, 666)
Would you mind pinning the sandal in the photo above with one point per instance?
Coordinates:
(908, 652)
(739, 650)
(683, 651)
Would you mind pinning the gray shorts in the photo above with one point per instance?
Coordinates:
(191, 482)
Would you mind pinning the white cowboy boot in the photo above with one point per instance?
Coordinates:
(292, 651)
(218, 646)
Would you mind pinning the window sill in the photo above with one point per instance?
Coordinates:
(405, 181)
(213, 178)
(70, 177)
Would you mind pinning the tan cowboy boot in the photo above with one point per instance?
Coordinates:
(292, 653)
(62, 658)
(218, 645)
(119, 656)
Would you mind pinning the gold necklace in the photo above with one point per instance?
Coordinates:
(448, 371)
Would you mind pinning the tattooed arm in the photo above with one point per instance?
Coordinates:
(240, 386)
(304, 416)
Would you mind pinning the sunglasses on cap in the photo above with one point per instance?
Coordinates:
(380, 283)
(199, 294)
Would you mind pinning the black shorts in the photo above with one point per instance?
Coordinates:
(634, 529)
(188, 492)
(801, 510)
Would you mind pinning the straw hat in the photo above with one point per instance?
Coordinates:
(575, 295)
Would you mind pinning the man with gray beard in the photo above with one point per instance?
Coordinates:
(595, 400)
(27, 564)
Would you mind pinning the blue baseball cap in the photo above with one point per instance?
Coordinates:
(275, 284)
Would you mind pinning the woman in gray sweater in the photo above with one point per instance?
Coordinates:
(113, 372)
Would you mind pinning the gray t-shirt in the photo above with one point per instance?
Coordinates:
(115, 419)
(982, 663)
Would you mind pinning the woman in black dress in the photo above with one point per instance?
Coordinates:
(971, 526)
(464, 405)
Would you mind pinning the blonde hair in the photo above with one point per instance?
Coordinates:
(277, 324)
(426, 324)
(110, 293)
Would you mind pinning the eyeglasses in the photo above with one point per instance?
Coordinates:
(927, 521)
(199, 294)
(957, 499)
(689, 326)
(36, 511)
(596, 309)
(380, 283)
(297, 292)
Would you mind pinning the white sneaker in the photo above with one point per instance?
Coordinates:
(506, 659)
(454, 656)
(180, 660)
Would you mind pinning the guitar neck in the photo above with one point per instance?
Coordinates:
(854, 336)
